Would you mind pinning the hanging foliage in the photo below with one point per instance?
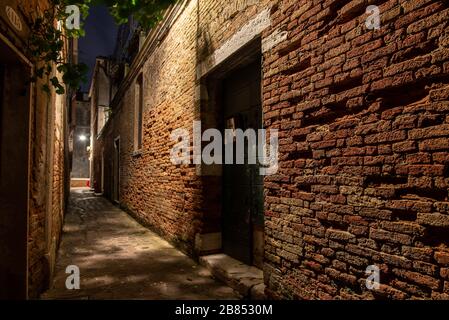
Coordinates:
(52, 29)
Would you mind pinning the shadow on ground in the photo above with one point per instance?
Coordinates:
(120, 259)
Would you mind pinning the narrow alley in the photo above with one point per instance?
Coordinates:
(120, 259)
(246, 150)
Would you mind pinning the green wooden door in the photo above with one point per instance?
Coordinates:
(242, 183)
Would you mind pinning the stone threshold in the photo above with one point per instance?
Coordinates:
(246, 280)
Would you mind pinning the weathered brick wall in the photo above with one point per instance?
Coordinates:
(47, 177)
(38, 267)
(156, 192)
(47, 198)
(175, 200)
(364, 149)
(59, 175)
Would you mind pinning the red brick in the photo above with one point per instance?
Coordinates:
(405, 146)
(442, 258)
(434, 144)
(418, 278)
(433, 219)
(378, 234)
(414, 170)
(431, 132)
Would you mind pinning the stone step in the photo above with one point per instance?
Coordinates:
(246, 280)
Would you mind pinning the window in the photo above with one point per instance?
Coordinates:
(138, 110)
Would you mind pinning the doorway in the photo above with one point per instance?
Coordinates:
(14, 172)
(243, 205)
(116, 174)
(102, 172)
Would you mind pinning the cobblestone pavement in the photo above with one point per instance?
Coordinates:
(120, 259)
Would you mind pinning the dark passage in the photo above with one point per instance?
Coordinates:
(242, 184)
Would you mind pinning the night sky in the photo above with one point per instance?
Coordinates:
(101, 32)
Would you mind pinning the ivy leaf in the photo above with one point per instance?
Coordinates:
(60, 89)
(46, 88)
(54, 81)
(62, 68)
(40, 72)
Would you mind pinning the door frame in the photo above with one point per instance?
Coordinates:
(116, 174)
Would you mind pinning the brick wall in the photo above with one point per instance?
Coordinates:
(364, 173)
(159, 194)
(364, 157)
(47, 177)
(48, 182)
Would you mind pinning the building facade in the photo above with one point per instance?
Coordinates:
(33, 160)
(363, 130)
(100, 95)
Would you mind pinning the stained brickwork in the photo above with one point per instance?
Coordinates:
(156, 192)
(47, 187)
(47, 165)
(170, 199)
(364, 157)
(364, 150)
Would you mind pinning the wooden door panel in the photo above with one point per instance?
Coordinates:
(242, 187)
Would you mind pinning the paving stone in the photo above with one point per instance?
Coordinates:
(120, 259)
